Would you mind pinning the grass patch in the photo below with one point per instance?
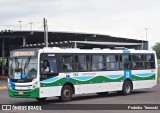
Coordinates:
(159, 71)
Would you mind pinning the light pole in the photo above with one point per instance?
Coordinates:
(142, 42)
(45, 32)
(31, 25)
(146, 32)
(20, 24)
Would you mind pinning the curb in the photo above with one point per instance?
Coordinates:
(3, 87)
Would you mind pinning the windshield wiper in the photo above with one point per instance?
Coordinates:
(27, 62)
(17, 63)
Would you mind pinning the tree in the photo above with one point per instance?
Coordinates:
(156, 48)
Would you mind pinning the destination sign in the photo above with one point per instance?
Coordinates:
(23, 53)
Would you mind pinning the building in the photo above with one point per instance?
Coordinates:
(10, 40)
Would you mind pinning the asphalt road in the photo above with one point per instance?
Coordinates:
(145, 96)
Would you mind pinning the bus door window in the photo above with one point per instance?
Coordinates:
(53, 66)
(44, 66)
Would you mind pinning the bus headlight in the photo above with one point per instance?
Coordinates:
(35, 85)
(9, 86)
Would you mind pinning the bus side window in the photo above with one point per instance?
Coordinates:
(112, 62)
(82, 62)
(149, 62)
(138, 61)
(67, 67)
(48, 66)
(97, 62)
(125, 62)
(67, 63)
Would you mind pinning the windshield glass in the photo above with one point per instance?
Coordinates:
(23, 68)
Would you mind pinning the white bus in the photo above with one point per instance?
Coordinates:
(48, 72)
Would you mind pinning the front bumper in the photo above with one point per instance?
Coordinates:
(26, 93)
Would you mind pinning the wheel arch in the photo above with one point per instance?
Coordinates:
(129, 81)
(71, 85)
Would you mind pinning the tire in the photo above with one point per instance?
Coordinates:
(127, 88)
(66, 94)
(41, 99)
(102, 93)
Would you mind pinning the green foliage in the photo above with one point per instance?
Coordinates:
(156, 48)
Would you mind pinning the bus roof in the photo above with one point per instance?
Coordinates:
(94, 50)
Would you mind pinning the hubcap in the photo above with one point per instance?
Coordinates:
(66, 93)
(128, 88)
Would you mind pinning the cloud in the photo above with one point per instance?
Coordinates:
(122, 18)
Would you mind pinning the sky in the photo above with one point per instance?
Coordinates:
(119, 18)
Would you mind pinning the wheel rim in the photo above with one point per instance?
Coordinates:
(127, 88)
(66, 93)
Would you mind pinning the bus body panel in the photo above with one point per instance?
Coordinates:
(50, 91)
(91, 82)
(144, 84)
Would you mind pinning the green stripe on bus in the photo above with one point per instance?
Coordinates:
(136, 78)
(98, 79)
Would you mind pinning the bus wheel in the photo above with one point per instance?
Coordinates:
(127, 87)
(66, 93)
(102, 93)
(41, 99)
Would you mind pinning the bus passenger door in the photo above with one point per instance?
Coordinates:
(49, 75)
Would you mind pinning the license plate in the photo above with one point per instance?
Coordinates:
(20, 93)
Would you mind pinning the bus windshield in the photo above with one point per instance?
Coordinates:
(23, 68)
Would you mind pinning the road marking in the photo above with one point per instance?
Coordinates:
(3, 87)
